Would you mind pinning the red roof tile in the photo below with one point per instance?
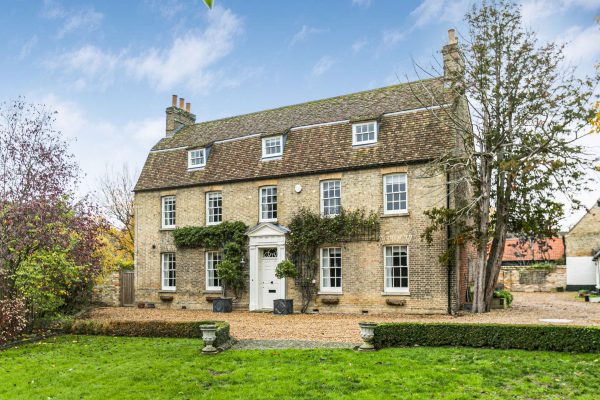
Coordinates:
(547, 250)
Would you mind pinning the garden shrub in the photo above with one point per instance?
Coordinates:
(527, 337)
(145, 328)
(504, 294)
(13, 319)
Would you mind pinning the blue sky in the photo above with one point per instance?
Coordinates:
(110, 67)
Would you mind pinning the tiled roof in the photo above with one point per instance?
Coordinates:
(405, 138)
(552, 250)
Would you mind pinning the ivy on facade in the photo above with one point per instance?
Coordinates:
(310, 230)
(228, 236)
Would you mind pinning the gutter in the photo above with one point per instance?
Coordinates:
(448, 233)
(288, 175)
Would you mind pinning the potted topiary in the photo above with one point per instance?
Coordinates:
(285, 269)
(232, 276)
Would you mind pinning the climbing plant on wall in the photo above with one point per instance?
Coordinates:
(229, 236)
(309, 230)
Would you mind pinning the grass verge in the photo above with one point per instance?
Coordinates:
(100, 367)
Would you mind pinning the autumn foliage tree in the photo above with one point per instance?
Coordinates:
(519, 144)
(48, 239)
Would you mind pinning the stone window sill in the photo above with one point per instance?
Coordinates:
(404, 214)
(167, 291)
(330, 293)
(395, 293)
(211, 292)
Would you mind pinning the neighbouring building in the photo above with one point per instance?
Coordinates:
(533, 265)
(366, 150)
(520, 252)
(583, 246)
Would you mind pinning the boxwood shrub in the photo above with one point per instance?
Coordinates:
(526, 337)
(145, 329)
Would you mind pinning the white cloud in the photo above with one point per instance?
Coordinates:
(93, 66)
(88, 20)
(430, 11)
(98, 143)
(72, 20)
(534, 11)
(323, 65)
(358, 45)
(27, 47)
(362, 3)
(189, 60)
(304, 33)
(582, 45)
(391, 37)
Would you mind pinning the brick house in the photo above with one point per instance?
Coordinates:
(366, 150)
(582, 247)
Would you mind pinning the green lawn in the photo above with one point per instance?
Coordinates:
(87, 367)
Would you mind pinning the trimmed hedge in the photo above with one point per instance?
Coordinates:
(146, 329)
(527, 337)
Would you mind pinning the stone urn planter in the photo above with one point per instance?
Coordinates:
(209, 334)
(222, 305)
(283, 306)
(367, 332)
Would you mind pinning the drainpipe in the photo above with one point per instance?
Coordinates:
(448, 233)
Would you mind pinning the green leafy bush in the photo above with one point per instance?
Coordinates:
(527, 337)
(47, 278)
(286, 269)
(145, 328)
(504, 294)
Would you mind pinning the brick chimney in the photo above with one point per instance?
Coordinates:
(453, 61)
(178, 117)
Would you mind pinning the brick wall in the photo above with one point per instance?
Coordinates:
(523, 279)
(362, 262)
(107, 291)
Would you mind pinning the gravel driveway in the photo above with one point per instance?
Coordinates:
(528, 308)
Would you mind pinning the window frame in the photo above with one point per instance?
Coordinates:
(163, 212)
(322, 198)
(329, 289)
(260, 204)
(206, 270)
(163, 278)
(208, 208)
(355, 142)
(190, 158)
(400, 211)
(396, 290)
(264, 147)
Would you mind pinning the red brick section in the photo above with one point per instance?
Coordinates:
(552, 250)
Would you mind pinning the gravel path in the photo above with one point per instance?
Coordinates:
(528, 308)
(290, 344)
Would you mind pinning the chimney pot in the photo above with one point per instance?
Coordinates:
(174, 101)
(181, 101)
(187, 107)
(452, 36)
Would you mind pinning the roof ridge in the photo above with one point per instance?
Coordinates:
(315, 101)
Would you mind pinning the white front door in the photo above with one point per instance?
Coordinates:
(269, 285)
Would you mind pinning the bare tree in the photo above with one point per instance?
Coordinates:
(116, 198)
(518, 114)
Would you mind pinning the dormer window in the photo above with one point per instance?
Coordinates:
(196, 158)
(364, 133)
(272, 146)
